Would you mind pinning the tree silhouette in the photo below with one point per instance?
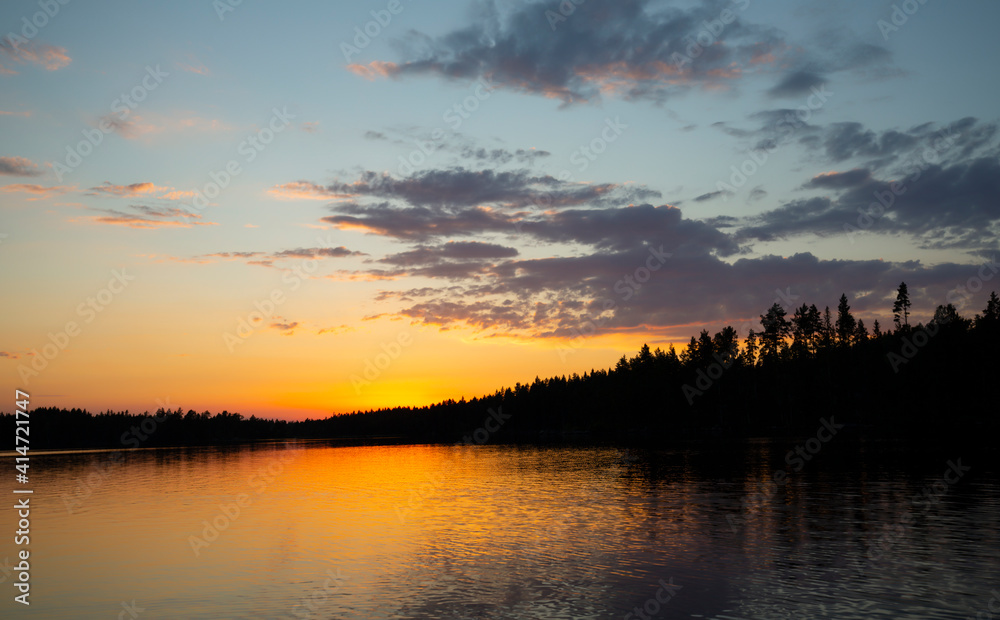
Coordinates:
(990, 319)
(806, 327)
(776, 329)
(876, 330)
(846, 324)
(826, 332)
(901, 307)
(750, 353)
(861, 332)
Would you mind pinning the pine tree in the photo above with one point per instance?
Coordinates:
(901, 307)
(861, 332)
(776, 329)
(826, 331)
(846, 324)
(750, 353)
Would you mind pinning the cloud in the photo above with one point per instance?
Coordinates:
(178, 195)
(630, 228)
(25, 114)
(287, 328)
(127, 191)
(118, 218)
(268, 259)
(310, 126)
(195, 66)
(452, 250)
(146, 218)
(459, 187)
(9, 356)
(18, 167)
(940, 206)
(565, 297)
(38, 192)
(136, 126)
(712, 195)
(503, 156)
(419, 223)
(304, 190)
(585, 56)
(839, 180)
(340, 329)
(757, 193)
(964, 138)
(48, 57)
(797, 84)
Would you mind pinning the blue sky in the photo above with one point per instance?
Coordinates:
(504, 240)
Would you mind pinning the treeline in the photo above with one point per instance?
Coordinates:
(912, 379)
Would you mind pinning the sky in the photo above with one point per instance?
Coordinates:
(303, 208)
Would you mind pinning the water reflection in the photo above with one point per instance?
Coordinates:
(313, 530)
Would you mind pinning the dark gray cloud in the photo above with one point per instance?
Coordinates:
(712, 195)
(423, 255)
(797, 84)
(942, 206)
(635, 49)
(503, 156)
(631, 227)
(459, 187)
(420, 223)
(567, 296)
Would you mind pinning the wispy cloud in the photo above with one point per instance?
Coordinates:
(127, 191)
(48, 57)
(38, 192)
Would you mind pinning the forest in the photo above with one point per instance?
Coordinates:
(904, 380)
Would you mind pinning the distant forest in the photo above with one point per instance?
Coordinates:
(925, 379)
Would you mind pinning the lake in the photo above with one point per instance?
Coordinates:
(317, 530)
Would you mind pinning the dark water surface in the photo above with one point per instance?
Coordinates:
(861, 530)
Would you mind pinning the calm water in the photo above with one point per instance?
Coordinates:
(505, 532)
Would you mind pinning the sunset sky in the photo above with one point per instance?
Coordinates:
(258, 207)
